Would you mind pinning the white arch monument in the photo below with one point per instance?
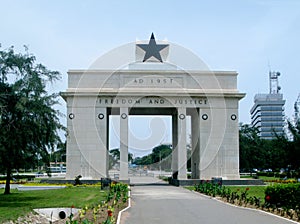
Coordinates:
(153, 78)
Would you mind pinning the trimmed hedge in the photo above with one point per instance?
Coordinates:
(283, 195)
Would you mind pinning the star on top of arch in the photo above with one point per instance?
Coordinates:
(152, 49)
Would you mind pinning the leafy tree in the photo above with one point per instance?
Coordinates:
(145, 160)
(29, 124)
(250, 148)
(159, 153)
(114, 157)
(294, 147)
(278, 153)
(115, 153)
(275, 154)
(60, 154)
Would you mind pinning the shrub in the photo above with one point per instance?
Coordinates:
(77, 180)
(209, 188)
(283, 195)
(288, 181)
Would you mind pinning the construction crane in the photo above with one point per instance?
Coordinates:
(297, 108)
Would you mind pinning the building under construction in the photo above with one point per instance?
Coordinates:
(267, 113)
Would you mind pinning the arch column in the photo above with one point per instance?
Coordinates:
(195, 154)
(102, 126)
(175, 146)
(181, 146)
(124, 143)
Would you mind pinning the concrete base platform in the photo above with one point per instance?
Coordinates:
(191, 182)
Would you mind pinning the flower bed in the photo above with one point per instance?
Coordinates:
(283, 195)
(106, 212)
(289, 181)
(279, 199)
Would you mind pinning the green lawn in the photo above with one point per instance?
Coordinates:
(19, 203)
(268, 178)
(258, 191)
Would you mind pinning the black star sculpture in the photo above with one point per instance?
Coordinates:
(152, 49)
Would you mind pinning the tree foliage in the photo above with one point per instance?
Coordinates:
(29, 124)
(114, 157)
(159, 153)
(294, 146)
(250, 146)
(59, 155)
(265, 154)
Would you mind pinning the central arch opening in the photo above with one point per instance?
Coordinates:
(150, 143)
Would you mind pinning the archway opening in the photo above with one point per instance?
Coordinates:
(150, 144)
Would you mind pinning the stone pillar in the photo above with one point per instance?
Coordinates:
(123, 143)
(208, 144)
(102, 128)
(87, 139)
(174, 146)
(195, 155)
(181, 146)
(108, 113)
(73, 150)
(213, 144)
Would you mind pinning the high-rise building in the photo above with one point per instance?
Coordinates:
(267, 113)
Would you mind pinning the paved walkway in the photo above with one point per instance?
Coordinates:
(162, 204)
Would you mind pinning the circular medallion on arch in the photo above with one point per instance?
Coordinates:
(233, 117)
(181, 116)
(205, 117)
(71, 116)
(123, 116)
(101, 116)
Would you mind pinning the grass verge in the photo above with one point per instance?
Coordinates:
(257, 191)
(19, 203)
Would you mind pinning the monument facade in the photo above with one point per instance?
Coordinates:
(148, 78)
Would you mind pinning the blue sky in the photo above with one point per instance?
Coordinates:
(245, 36)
